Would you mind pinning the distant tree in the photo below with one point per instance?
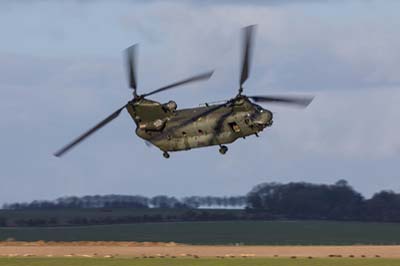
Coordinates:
(163, 201)
(384, 206)
(342, 183)
(213, 201)
(307, 201)
(111, 201)
(192, 202)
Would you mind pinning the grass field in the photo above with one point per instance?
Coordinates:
(210, 233)
(195, 262)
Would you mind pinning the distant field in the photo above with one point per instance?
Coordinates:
(96, 216)
(222, 233)
(64, 214)
(194, 262)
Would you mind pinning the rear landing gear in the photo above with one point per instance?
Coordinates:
(166, 155)
(223, 149)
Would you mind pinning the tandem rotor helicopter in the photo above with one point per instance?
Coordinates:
(171, 129)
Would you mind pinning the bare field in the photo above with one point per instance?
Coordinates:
(147, 249)
(75, 261)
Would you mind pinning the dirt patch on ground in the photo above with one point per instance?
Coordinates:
(150, 249)
(88, 243)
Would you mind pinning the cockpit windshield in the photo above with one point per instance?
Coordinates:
(259, 109)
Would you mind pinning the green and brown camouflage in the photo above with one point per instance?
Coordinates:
(175, 130)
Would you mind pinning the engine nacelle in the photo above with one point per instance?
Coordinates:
(170, 106)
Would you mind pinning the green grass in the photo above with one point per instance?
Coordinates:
(245, 232)
(195, 262)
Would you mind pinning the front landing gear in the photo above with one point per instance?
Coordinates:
(166, 155)
(223, 149)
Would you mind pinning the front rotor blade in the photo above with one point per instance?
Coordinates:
(130, 54)
(89, 132)
(302, 101)
(200, 77)
(246, 56)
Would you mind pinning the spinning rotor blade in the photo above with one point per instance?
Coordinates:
(247, 49)
(301, 101)
(130, 54)
(111, 117)
(200, 77)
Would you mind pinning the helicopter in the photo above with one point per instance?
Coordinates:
(172, 129)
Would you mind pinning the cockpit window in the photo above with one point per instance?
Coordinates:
(259, 109)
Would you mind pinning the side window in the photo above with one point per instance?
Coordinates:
(234, 126)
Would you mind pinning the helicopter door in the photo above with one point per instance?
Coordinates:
(234, 126)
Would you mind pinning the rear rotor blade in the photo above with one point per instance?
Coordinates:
(200, 77)
(301, 101)
(111, 117)
(130, 54)
(246, 54)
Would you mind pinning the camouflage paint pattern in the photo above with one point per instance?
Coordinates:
(174, 130)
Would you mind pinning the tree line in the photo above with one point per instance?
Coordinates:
(266, 201)
(126, 201)
(338, 201)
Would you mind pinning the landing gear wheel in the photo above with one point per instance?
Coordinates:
(166, 155)
(223, 149)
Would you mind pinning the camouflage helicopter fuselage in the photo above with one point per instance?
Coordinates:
(173, 130)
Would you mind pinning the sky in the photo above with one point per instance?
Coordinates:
(62, 71)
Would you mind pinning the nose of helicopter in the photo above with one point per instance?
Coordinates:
(264, 118)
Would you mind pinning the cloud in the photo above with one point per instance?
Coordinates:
(296, 49)
(55, 88)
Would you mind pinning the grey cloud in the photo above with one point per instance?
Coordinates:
(348, 132)
(294, 50)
